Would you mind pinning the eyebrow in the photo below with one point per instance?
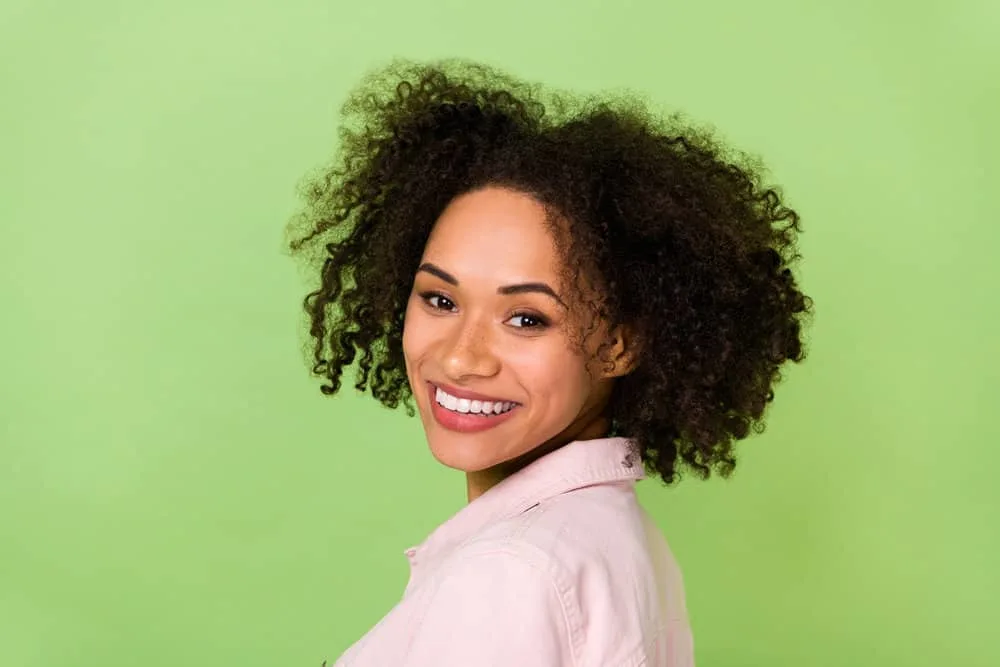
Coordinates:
(519, 288)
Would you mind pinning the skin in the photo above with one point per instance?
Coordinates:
(462, 330)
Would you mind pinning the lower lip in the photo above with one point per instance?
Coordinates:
(464, 423)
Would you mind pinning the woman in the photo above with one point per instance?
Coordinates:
(574, 295)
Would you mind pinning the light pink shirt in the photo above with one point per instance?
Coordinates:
(557, 565)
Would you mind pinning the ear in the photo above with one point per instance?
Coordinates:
(623, 352)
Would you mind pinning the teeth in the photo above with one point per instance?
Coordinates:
(467, 406)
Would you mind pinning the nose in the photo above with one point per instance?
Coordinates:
(469, 352)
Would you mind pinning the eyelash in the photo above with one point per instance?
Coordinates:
(542, 322)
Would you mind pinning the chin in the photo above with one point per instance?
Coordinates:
(459, 456)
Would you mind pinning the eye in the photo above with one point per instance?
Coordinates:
(437, 301)
(529, 321)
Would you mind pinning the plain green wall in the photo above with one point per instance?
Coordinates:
(174, 489)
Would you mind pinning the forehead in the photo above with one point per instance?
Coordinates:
(494, 234)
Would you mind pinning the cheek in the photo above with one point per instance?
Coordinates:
(552, 374)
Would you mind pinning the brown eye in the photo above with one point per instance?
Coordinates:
(437, 301)
(528, 321)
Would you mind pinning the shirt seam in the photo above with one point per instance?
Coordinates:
(517, 549)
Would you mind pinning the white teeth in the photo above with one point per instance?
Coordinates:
(466, 406)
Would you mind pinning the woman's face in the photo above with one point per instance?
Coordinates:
(491, 350)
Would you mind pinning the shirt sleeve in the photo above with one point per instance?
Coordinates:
(494, 607)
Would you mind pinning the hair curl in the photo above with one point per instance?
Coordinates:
(686, 243)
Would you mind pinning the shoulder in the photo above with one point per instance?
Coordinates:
(498, 556)
(594, 528)
(495, 598)
(589, 551)
(515, 574)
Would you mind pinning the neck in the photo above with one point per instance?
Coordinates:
(480, 481)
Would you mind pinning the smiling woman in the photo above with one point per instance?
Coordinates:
(574, 294)
(494, 322)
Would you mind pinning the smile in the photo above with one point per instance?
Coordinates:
(467, 406)
(468, 415)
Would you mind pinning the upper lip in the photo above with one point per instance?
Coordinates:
(471, 395)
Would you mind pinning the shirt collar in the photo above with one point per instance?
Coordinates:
(576, 465)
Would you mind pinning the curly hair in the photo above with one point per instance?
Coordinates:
(686, 244)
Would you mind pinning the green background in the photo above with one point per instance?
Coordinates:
(174, 489)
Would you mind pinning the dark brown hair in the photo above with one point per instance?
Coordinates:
(685, 241)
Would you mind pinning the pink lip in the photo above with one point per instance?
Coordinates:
(464, 423)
